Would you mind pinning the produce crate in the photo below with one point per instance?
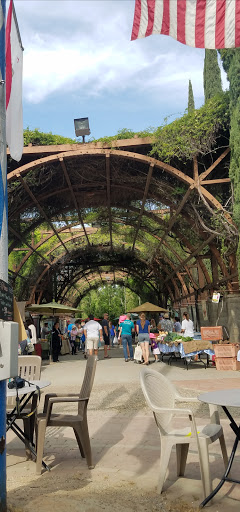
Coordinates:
(227, 363)
(212, 333)
(226, 350)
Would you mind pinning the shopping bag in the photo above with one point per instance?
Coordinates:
(138, 353)
(115, 340)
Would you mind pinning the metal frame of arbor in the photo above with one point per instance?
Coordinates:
(169, 271)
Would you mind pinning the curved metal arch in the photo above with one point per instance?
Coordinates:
(96, 279)
(88, 271)
(163, 257)
(126, 155)
(42, 242)
(54, 262)
(94, 230)
(136, 275)
(82, 273)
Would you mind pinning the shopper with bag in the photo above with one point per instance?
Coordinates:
(143, 330)
(126, 328)
(112, 332)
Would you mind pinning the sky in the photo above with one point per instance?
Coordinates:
(79, 61)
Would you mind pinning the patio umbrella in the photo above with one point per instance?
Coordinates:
(52, 308)
(148, 307)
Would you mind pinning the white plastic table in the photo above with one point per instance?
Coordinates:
(225, 398)
(26, 394)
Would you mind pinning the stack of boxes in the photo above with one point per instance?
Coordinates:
(226, 356)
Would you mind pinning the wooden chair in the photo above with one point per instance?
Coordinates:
(77, 421)
(29, 368)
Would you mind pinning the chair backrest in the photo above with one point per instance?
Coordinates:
(88, 380)
(29, 367)
(158, 392)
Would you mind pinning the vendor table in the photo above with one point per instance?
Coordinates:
(181, 350)
(26, 394)
(225, 398)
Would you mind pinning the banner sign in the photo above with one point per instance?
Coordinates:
(6, 301)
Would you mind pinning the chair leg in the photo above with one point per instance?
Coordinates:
(166, 449)
(27, 432)
(204, 467)
(79, 443)
(41, 430)
(182, 453)
(224, 450)
(83, 434)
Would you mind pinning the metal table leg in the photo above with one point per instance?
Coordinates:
(225, 478)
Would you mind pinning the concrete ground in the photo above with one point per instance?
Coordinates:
(125, 445)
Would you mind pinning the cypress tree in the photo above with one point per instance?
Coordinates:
(191, 104)
(211, 75)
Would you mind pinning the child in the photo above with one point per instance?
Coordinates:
(73, 335)
(155, 349)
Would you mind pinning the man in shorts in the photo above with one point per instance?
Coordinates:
(106, 334)
(92, 331)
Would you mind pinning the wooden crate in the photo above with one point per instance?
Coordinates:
(227, 363)
(212, 333)
(226, 350)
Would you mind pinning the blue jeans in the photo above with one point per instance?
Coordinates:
(127, 340)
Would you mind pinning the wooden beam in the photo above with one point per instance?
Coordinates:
(109, 196)
(34, 199)
(194, 253)
(18, 235)
(215, 182)
(210, 169)
(195, 169)
(75, 202)
(147, 185)
(122, 143)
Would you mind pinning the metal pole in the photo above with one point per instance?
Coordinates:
(3, 243)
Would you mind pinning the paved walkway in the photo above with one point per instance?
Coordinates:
(125, 445)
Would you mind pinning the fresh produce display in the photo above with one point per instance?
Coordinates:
(173, 337)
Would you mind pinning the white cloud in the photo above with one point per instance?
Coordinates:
(85, 45)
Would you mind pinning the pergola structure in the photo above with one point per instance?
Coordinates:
(87, 214)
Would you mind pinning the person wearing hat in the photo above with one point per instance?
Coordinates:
(166, 323)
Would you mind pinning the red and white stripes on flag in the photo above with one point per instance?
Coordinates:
(198, 23)
(14, 67)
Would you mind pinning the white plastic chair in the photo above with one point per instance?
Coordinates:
(29, 368)
(161, 396)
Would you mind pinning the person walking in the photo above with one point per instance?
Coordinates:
(73, 335)
(106, 335)
(56, 342)
(126, 329)
(143, 330)
(112, 333)
(92, 330)
(32, 331)
(187, 326)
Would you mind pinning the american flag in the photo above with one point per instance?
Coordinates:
(198, 23)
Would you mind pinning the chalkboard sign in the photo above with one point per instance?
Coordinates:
(6, 301)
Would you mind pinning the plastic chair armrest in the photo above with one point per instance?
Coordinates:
(184, 411)
(69, 398)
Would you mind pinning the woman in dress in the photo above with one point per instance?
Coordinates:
(143, 330)
(187, 326)
(56, 342)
